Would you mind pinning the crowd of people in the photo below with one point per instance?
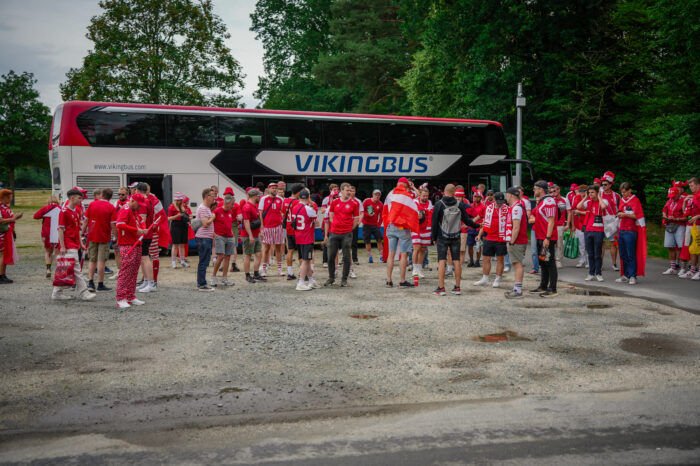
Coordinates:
(277, 223)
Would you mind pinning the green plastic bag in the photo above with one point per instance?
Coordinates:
(570, 246)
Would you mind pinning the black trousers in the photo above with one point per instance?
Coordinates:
(355, 234)
(548, 270)
(335, 242)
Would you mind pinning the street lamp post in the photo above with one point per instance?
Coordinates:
(519, 105)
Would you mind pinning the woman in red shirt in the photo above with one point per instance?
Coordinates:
(595, 234)
(8, 252)
(46, 220)
(632, 226)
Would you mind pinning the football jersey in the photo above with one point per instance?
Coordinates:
(100, 215)
(372, 211)
(564, 207)
(304, 217)
(69, 222)
(289, 202)
(128, 217)
(546, 208)
(613, 200)
(344, 213)
(517, 212)
(250, 213)
(223, 222)
(272, 209)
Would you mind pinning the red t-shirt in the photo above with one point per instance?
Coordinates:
(69, 221)
(612, 199)
(545, 209)
(691, 206)
(305, 217)
(674, 209)
(129, 218)
(344, 213)
(578, 218)
(146, 213)
(289, 202)
(564, 208)
(630, 205)
(517, 212)
(592, 210)
(223, 222)
(373, 211)
(427, 225)
(477, 210)
(495, 220)
(250, 212)
(45, 221)
(273, 208)
(100, 215)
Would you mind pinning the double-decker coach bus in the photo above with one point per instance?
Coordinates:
(185, 149)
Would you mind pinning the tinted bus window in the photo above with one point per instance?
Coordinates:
(456, 139)
(191, 131)
(56, 130)
(293, 134)
(494, 142)
(347, 135)
(404, 138)
(122, 129)
(240, 133)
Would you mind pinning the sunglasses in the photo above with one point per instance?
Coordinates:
(605, 184)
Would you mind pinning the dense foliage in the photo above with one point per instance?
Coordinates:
(611, 84)
(24, 126)
(159, 52)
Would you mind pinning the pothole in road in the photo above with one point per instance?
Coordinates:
(363, 316)
(508, 335)
(579, 292)
(659, 346)
(232, 390)
(598, 306)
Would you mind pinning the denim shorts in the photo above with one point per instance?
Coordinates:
(675, 239)
(400, 238)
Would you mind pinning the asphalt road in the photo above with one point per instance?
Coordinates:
(624, 427)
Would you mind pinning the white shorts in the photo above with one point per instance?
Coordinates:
(675, 239)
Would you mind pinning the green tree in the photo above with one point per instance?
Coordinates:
(24, 125)
(159, 52)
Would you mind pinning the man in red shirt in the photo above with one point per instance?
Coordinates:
(613, 200)
(303, 218)
(477, 212)
(344, 215)
(544, 219)
(333, 193)
(224, 243)
(122, 200)
(130, 229)
(577, 223)
(494, 227)
(371, 219)
(69, 241)
(270, 207)
(250, 232)
(563, 208)
(101, 219)
(675, 224)
(516, 239)
(48, 216)
(421, 239)
(288, 205)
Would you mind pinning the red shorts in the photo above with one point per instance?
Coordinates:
(48, 244)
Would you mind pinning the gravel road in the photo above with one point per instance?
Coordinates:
(255, 350)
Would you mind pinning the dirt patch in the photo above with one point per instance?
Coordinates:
(467, 377)
(508, 335)
(538, 306)
(579, 292)
(590, 356)
(598, 306)
(659, 346)
(631, 324)
(363, 316)
(468, 362)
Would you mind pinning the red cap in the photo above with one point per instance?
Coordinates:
(596, 180)
(459, 192)
(403, 179)
(228, 191)
(550, 183)
(673, 192)
(573, 187)
(138, 197)
(272, 185)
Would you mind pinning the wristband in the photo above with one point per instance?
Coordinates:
(549, 238)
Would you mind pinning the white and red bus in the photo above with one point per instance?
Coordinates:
(185, 149)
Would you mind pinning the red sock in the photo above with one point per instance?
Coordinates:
(156, 266)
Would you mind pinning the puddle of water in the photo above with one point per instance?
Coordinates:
(598, 306)
(508, 335)
(232, 390)
(578, 292)
(659, 346)
(363, 316)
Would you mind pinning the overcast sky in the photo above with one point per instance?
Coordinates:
(47, 38)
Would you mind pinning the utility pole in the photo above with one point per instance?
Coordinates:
(519, 105)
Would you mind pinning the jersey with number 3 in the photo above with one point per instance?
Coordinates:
(305, 217)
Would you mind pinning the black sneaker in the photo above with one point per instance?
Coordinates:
(548, 294)
(512, 294)
(91, 286)
(4, 279)
(291, 277)
(406, 284)
(439, 291)
(477, 264)
(329, 282)
(343, 283)
(205, 288)
(471, 264)
(234, 268)
(108, 270)
(260, 278)
(249, 279)
(538, 290)
(102, 287)
(456, 290)
(389, 284)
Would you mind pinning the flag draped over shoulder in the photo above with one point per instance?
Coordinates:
(641, 225)
(401, 210)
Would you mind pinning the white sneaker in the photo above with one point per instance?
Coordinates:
(685, 274)
(154, 287)
(352, 274)
(496, 282)
(589, 277)
(559, 264)
(303, 287)
(173, 265)
(615, 268)
(483, 282)
(146, 289)
(263, 273)
(696, 276)
(114, 275)
(670, 271)
(123, 304)
(225, 282)
(212, 281)
(632, 281)
(414, 273)
(315, 284)
(142, 285)
(599, 278)
(420, 274)
(325, 265)
(506, 269)
(60, 296)
(87, 296)
(185, 264)
(622, 279)
(580, 264)
(137, 302)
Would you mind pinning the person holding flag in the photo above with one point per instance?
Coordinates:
(49, 223)
(400, 215)
(130, 232)
(633, 236)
